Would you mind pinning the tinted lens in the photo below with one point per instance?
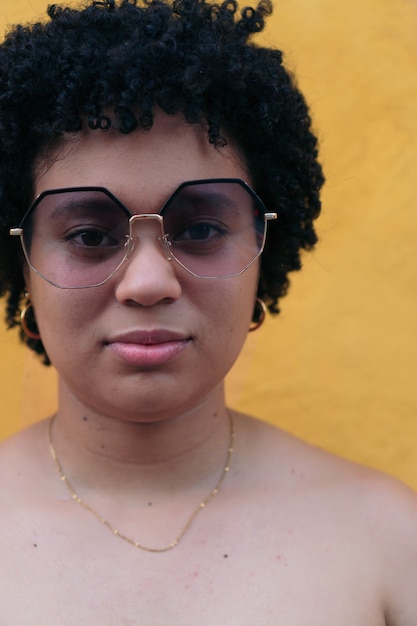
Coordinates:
(215, 229)
(76, 238)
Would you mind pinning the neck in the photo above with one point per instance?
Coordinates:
(122, 465)
(151, 454)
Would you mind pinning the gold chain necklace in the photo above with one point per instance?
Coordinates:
(114, 530)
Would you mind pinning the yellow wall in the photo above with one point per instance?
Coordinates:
(339, 366)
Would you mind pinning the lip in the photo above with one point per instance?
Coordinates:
(148, 348)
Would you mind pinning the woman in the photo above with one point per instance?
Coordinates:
(149, 156)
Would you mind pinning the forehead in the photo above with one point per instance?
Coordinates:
(144, 164)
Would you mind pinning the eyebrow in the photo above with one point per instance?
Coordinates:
(67, 205)
(208, 196)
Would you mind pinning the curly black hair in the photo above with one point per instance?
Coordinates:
(112, 64)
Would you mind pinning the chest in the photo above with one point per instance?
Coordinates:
(253, 573)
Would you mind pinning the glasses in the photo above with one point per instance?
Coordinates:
(79, 237)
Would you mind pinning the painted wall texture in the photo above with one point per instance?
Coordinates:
(338, 367)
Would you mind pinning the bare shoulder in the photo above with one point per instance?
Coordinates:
(24, 442)
(23, 462)
(289, 461)
(364, 510)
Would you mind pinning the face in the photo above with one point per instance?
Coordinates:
(154, 339)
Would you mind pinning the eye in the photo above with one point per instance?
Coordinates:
(200, 231)
(92, 238)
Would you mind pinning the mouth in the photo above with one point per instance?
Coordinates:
(147, 349)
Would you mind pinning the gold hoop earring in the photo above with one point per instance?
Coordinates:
(24, 322)
(261, 306)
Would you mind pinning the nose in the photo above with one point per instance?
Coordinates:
(148, 276)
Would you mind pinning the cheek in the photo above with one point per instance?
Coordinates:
(235, 310)
(62, 315)
(226, 308)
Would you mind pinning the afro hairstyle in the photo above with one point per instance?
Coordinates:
(113, 63)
